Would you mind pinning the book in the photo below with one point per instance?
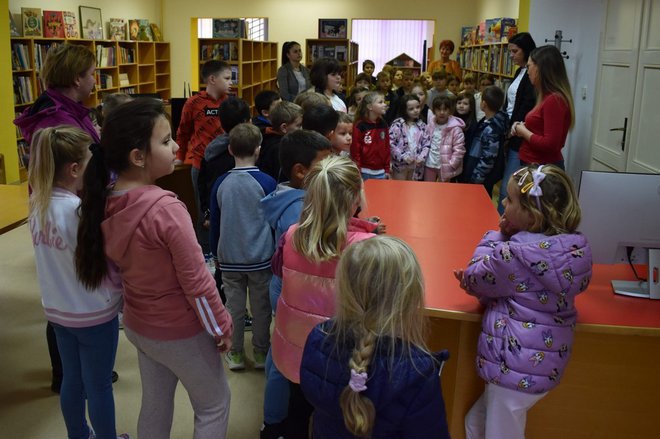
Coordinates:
(340, 53)
(70, 24)
(329, 51)
(123, 80)
(133, 29)
(155, 30)
(144, 33)
(53, 24)
(31, 22)
(226, 28)
(13, 29)
(117, 29)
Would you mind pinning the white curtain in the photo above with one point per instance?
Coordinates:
(382, 40)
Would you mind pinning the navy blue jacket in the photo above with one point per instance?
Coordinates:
(407, 396)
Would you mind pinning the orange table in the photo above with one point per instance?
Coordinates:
(13, 206)
(611, 388)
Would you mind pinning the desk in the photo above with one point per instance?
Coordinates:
(611, 388)
(13, 206)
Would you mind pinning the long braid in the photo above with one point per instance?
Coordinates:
(359, 412)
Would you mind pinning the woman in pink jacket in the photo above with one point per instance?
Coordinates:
(445, 159)
(306, 259)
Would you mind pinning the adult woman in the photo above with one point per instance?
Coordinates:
(450, 66)
(520, 99)
(292, 77)
(69, 74)
(326, 79)
(546, 125)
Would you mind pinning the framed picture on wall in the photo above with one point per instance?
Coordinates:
(91, 25)
(333, 28)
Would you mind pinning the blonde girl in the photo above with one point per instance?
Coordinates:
(172, 312)
(368, 372)
(370, 147)
(420, 90)
(527, 275)
(306, 259)
(409, 140)
(84, 320)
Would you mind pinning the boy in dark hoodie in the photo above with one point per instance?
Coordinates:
(299, 151)
(480, 165)
(264, 103)
(286, 117)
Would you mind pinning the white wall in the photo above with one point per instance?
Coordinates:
(580, 21)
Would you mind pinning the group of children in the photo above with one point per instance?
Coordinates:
(282, 203)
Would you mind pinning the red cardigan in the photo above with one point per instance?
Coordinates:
(549, 121)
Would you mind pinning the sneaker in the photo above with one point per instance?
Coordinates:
(235, 360)
(259, 360)
(248, 322)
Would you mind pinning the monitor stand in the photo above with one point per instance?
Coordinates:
(646, 290)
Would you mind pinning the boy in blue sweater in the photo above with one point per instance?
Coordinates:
(299, 150)
(242, 241)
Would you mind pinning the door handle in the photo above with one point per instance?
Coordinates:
(624, 128)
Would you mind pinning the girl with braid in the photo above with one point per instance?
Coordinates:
(368, 372)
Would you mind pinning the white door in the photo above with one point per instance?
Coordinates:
(615, 86)
(644, 152)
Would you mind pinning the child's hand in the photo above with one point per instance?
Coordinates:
(380, 228)
(224, 344)
(459, 275)
(387, 176)
(409, 160)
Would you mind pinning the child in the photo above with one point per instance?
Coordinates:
(409, 140)
(84, 320)
(480, 165)
(321, 118)
(440, 80)
(362, 80)
(309, 99)
(484, 81)
(419, 90)
(397, 80)
(370, 147)
(343, 135)
(539, 263)
(445, 159)
(453, 84)
(172, 311)
(469, 83)
(243, 243)
(113, 100)
(264, 102)
(368, 68)
(306, 260)
(299, 151)
(406, 83)
(466, 110)
(384, 86)
(368, 372)
(354, 99)
(286, 117)
(427, 80)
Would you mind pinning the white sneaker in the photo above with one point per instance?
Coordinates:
(235, 360)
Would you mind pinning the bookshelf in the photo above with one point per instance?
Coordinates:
(343, 50)
(253, 63)
(121, 66)
(491, 58)
(406, 62)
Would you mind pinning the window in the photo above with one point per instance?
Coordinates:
(382, 40)
(257, 28)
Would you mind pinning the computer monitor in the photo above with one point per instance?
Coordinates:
(621, 220)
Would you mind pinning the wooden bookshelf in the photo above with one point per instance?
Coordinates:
(343, 50)
(253, 63)
(406, 62)
(145, 65)
(491, 58)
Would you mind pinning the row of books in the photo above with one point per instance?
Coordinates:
(20, 57)
(323, 51)
(105, 56)
(23, 153)
(40, 52)
(492, 30)
(126, 55)
(492, 59)
(103, 81)
(219, 51)
(22, 90)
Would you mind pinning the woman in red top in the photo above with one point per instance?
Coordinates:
(546, 125)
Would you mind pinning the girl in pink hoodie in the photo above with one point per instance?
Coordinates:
(172, 313)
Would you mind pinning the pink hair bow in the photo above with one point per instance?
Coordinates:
(358, 381)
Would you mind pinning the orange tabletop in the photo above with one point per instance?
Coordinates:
(14, 210)
(443, 222)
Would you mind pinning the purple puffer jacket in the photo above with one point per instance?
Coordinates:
(528, 285)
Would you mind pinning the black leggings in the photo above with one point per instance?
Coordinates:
(300, 412)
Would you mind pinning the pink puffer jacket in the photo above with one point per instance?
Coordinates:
(452, 147)
(308, 298)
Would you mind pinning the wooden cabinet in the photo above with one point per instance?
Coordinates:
(253, 63)
(405, 62)
(490, 58)
(121, 66)
(344, 51)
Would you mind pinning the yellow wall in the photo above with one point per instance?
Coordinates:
(495, 9)
(7, 130)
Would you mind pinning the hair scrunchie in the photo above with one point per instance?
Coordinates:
(358, 381)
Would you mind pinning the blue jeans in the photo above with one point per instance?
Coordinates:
(366, 176)
(88, 356)
(511, 166)
(276, 393)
